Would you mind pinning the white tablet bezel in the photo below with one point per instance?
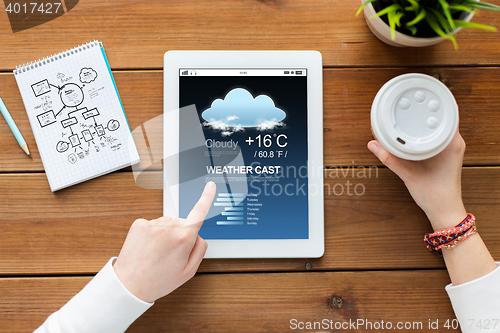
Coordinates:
(313, 247)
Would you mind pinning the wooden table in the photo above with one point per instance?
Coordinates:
(375, 265)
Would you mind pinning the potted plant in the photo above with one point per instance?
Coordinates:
(421, 22)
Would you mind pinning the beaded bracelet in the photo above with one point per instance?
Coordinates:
(457, 241)
(448, 235)
(449, 238)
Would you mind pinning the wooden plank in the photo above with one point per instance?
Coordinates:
(257, 302)
(137, 34)
(76, 230)
(348, 94)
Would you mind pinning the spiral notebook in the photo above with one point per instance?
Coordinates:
(76, 115)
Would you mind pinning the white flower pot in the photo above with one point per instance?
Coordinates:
(383, 32)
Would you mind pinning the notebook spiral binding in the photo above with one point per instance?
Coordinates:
(53, 58)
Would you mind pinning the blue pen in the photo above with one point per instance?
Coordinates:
(13, 128)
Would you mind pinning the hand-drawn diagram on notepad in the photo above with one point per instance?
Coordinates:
(76, 114)
(67, 103)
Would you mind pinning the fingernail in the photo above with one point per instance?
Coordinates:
(210, 185)
(373, 147)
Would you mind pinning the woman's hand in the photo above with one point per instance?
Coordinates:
(434, 184)
(160, 255)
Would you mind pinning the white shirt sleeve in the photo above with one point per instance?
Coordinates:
(477, 303)
(103, 306)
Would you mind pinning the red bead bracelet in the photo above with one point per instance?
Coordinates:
(451, 237)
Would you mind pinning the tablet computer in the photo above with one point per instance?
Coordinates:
(252, 122)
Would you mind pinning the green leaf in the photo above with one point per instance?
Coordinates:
(433, 24)
(414, 4)
(461, 8)
(392, 24)
(439, 19)
(481, 5)
(463, 24)
(366, 3)
(391, 9)
(412, 29)
(418, 18)
(447, 13)
(397, 18)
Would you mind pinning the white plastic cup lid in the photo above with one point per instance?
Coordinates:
(414, 116)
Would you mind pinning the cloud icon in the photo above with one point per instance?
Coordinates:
(239, 110)
(87, 75)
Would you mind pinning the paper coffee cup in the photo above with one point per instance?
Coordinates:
(414, 116)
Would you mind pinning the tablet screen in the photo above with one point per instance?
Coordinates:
(254, 147)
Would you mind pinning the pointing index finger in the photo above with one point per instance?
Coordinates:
(200, 210)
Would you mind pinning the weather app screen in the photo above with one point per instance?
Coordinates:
(252, 144)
